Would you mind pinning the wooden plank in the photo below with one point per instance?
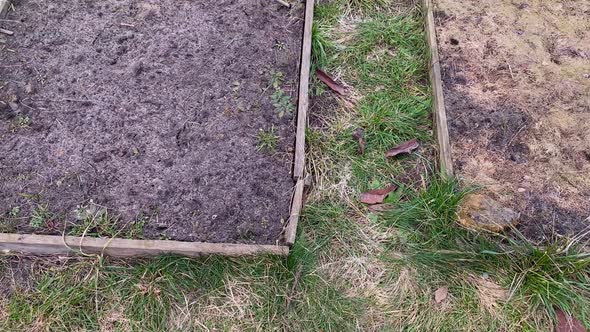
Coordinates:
(438, 99)
(4, 4)
(299, 166)
(296, 206)
(51, 245)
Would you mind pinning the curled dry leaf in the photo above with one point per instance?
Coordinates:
(567, 323)
(359, 135)
(339, 89)
(376, 196)
(441, 294)
(405, 147)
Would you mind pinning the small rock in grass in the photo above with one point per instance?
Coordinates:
(481, 212)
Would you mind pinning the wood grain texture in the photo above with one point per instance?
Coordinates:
(299, 165)
(51, 245)
(296, 206)
(438, 99)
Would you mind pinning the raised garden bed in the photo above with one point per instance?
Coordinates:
(516, 87)
(177, 124)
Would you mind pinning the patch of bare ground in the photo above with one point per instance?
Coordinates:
(175, 113)
(517, 87)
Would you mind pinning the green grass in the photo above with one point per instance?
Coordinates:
(384, 60)
(279, 98)
(144, 296)
(366, 6)
(97, 221)
(555, 275)
(320, 46)
(21, 122)
(40, 216)
(267, 140)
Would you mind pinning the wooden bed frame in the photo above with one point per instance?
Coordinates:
(49, 244)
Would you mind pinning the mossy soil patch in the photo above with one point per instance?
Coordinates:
(149, 119)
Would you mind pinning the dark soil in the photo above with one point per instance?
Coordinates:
(150, 109)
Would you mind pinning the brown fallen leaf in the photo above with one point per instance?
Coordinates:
(441, 294)
(567, 323)
(377, 195)
(405, 147)
(339, 89)
(359, 136)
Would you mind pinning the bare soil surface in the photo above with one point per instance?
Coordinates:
(517, 87)
(151, 109)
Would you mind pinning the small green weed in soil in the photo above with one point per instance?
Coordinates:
(21, 122)
(96, 221)
(267, 140)
(280, 99)
(282, 102)
(279, 45)
(40, 216)
(14, 212)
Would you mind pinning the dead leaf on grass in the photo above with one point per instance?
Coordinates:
(359, 135)
(405, 147)
(567, 323)
(339, 89)
(376, 196)
(441, 294)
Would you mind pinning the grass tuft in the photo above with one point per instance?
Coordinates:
(321, 45)
(557, 274)
(267, 140)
